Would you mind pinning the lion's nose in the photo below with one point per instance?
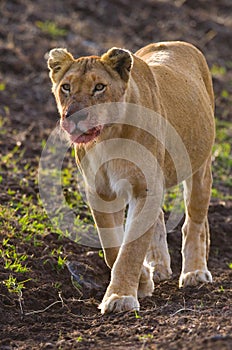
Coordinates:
(74, 119)
(68, 125)
(80, 115)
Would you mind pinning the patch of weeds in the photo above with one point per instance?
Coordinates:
(223, 131)
(2, 86)
(222, 163)
(57, 285)
(24, 221)
(61, 260)
(12, 259)
(222, 159)
(28, 218)
(220, 195)
(32, 222)
(218, 71)
(12, 158)
(74, 229)
(70, 186)
(80, 223)
(51, 28)
(173, 199)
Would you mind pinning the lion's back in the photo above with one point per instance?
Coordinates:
(177, 59)
(184, 90)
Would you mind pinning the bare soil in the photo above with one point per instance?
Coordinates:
(173, 318)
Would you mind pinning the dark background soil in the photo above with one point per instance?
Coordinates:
(194, 318)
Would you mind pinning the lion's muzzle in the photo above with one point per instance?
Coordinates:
(80, 127)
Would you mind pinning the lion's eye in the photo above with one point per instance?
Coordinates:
(99, 87)
(65, 88)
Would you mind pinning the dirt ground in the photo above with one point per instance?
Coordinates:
(193, 318)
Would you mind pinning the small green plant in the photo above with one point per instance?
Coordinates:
(230, 265)
(77, 285)
(61, 260)
(173, 199)
(217, 70)
(51, 28)
(13, 285)
(2, 86)
(137, 316)
(101, 254)
(221, 289)
(79, 339)
(57, 285)
(214, 193)
(145, 337)
(225, 94)
(16, 287)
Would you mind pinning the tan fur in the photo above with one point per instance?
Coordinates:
(172, 79)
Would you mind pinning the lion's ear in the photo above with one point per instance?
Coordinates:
(120, 60)
(59, 60)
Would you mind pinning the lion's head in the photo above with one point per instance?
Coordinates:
(84, 82)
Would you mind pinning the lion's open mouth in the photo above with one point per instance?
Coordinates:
(78, 136)
(87, 136)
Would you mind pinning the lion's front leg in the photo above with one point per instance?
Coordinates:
(128, 271)
(111, 231)
(122, 292)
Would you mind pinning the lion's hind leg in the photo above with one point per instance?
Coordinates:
(158, 257)
(195, 244)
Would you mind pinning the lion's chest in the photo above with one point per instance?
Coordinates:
(118, 177)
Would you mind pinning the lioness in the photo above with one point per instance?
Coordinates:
(172, 80)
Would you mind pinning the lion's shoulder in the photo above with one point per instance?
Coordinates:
(164, 50)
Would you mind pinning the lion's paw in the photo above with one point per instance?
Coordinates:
(116, 303)
(195, 277)
(161, 273)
